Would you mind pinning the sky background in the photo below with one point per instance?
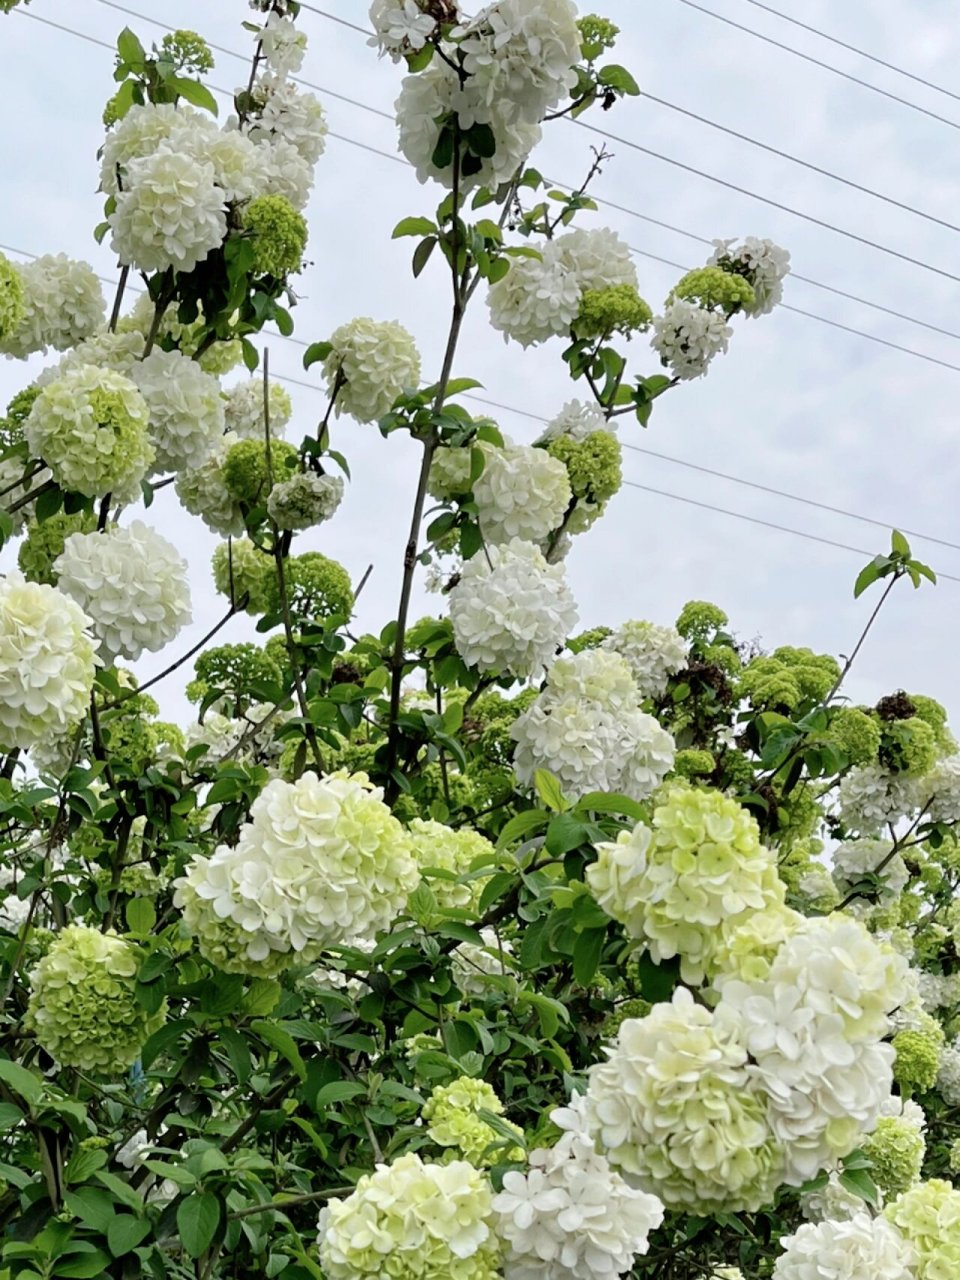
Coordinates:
(796, 404)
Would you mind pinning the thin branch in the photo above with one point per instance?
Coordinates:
(118, 298)
(174, 666)
(271, 1205)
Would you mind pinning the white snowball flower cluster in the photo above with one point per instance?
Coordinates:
(588, 729)
(687, 337)
(540, 298)
(400, 26)
(118, 352)
(204, 493)
(815, 1031)
(91, 428)
(244, 409)
(132, 582)
(522, 492)
(282, 45)
(571, 1215)
(14, 471)
(171, 213)
(286, 117)
(940, 790)
(948, 1076)
(871, 798)
(305, 500)
(321, 861)
(853, 860)
(144, 130)
(511, 611)
(576, 420)
(62, 305)
(831, 1203)
(653, 654)
(860, 1247)
(675, 1109)
(373, 362)
(185, 406)
(47, 663)
(761, 262)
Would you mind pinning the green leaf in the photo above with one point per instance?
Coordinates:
(522, 825)
(84, 1267)
(548, 789)
(125, 1232)
(316, 351)
(251, 356)
(262, 997)
(422, 254)
(21, 1081)
(9, 1115)
(586, 955)
(619, 78)
(130, 49)
(413, 227)
(899, 545)
(563, 834)
(612, 802)
(94, 1208)
(861, 1184)
(197, 1220)
(48, 504)
(657, 981)
(283, 1042)
(197, 94)
(338, 1091)
(141, 916)
(869, 574)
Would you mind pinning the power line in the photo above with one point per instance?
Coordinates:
(767, 524)
(364, 31)
(826, 66)
(890, 66)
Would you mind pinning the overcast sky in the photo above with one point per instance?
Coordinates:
(796, 404)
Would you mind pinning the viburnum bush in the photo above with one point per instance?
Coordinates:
(490, 945)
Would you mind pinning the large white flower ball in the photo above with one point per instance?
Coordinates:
(522, 492)
(185, 406)
(372, 362)
(62, 305)
(861, 1248)
(171, 213)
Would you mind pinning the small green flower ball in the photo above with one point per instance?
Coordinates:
(45, 542)
(11, 298)
(83, 1006)
(895, 1149)
(596, 34)
(694, 764)
(316, 587)
(909, 746)
(240, 565)
(698, 618)
(929, 710)
(247, 475)
(616, 309)
(856, 734)
(715, 290)
(18, 411)
(918, 1056)
(594, 464)
(453, 1112)
(592, 639)
(279, 235)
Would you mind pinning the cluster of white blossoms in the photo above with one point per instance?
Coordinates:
(321, 861)
(281, 44)
(587, 728)
(305, 500)
(47, 663)
(185, 406)
(540, 298)
(856, 861)
(761, 262)
(244, 409)
(369, 364)
(687, 337)
(400, 27)
(852, 1249)
(289, 128)
(62, 306)
(576, 420)
(204, 493)
(652, 653)
(521, 493)
(133, 584)
(571, 1215)
(451, 851)
(872, 798)
(511, 611)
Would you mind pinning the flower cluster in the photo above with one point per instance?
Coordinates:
(368, 366)
(761, 263)
(858, 862)
(132, 582)
(453, 1113)
(244, 409)
(653, 654)
(204, 493)
(426, 1221)
(83, 1005)
(320, 862)
(11, 298)
(858, 1247)
(185, 408)
(170, 212)
(522, 492)
(304, 500)
(687, 338)
(400, 27)
(928, 1217)
(588, 729)
(437, 847)
(61, 304)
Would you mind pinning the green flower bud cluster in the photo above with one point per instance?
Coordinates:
(588, 639)
(235, 669)
(452, 1111)
(251, 571)
(628, 1009)
(930, 711)
(596, 34)
(316, 587)
(247, 473)
(928, 1215)
(594, 464)
(45, 542)
(11, 298)
(279, 236)
(188, 51)
(788, 678)
(918, 1056)
(18, 411)
(135, 882)
(616, 309)
(692, 763)
(909, 746)
(856, 733)
(698, 618)
(895, 1149)
(714, 289)
(83, 1005)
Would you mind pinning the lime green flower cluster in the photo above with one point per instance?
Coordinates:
(788, 677)
(895, 1149)
(928, 1216)
(316, 587)
(248, 474)
(45, 542)
(699, 619)
(412, 1221)
(918, 1056)
(453, 1113)
(235, 669)
(188, 51)
(442, 848)
(596, 34)
(616, 309)
(694, 763)
(592, 639)
(135, 882)
(746, 951)
(684, 885)
(627, 1009)
(83, 1006)
(279, 236)
(18, 411)
(594, 464)
(139, 742)
(856, 733)
(11, 298)
(909, 746)
(929, 710)
(247, 570)
(714, 289)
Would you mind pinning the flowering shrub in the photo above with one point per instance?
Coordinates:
(480, 946)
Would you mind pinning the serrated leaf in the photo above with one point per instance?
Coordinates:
(130, 49)
(549, 790)
(283, 1042)
(197, 1220)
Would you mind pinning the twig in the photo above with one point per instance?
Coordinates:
(271, 1205)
